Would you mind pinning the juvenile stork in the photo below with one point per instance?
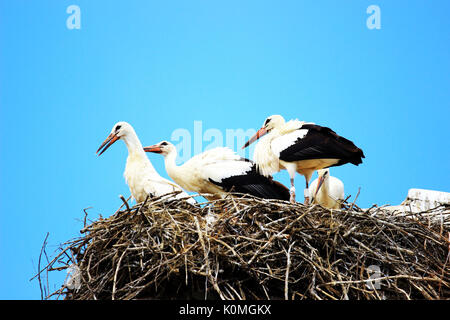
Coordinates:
(326, 190)
(302, 147)
(140, 175)
(218, 171)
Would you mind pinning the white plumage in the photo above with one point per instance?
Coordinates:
(217, 171)
(282, 135)
(302, 147)
(326, 190)
(283, 142)
(140, 175)
(196, 174)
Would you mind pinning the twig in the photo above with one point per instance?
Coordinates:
(286, 278)
(44, 244)
(125, 202)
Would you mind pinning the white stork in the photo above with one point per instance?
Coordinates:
(218, 171)
(140, 175)
(302, 147)
(326, 190)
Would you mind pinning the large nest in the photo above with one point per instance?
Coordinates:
(250, 248)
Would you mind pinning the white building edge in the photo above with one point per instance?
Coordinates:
(419, 200)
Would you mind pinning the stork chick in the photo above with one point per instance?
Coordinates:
(218, 171)
(326, 190)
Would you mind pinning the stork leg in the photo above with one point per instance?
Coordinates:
(292, 170)
(292, 191)
(308, 174)
(306, 193)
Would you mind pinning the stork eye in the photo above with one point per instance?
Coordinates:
(164, 143)
(267, 121)
(118, 128)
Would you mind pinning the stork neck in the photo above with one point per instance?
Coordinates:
(275, 133)
(267, 139)
(134, 146)
(137, 158)
(267, 162)
(170, 163)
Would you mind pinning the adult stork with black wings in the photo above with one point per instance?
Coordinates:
(302, 147)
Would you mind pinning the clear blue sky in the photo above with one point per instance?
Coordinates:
(161, 65)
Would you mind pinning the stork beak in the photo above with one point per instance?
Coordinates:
(319, 184)
(257, 135)
(107, 143)
(154, 148)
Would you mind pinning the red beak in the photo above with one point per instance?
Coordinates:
(108, 143)
(257, 135)
(154, 148)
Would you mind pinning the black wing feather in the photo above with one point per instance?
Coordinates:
(255, 184)
(322, 143)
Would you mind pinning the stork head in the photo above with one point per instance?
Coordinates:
(164, 148)
(323, 176)
(270, 123)
(119, 131)
(273, 122)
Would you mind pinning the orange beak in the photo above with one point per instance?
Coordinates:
(154, 148)
(257, 135)
(319, 184)
(107, 143)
